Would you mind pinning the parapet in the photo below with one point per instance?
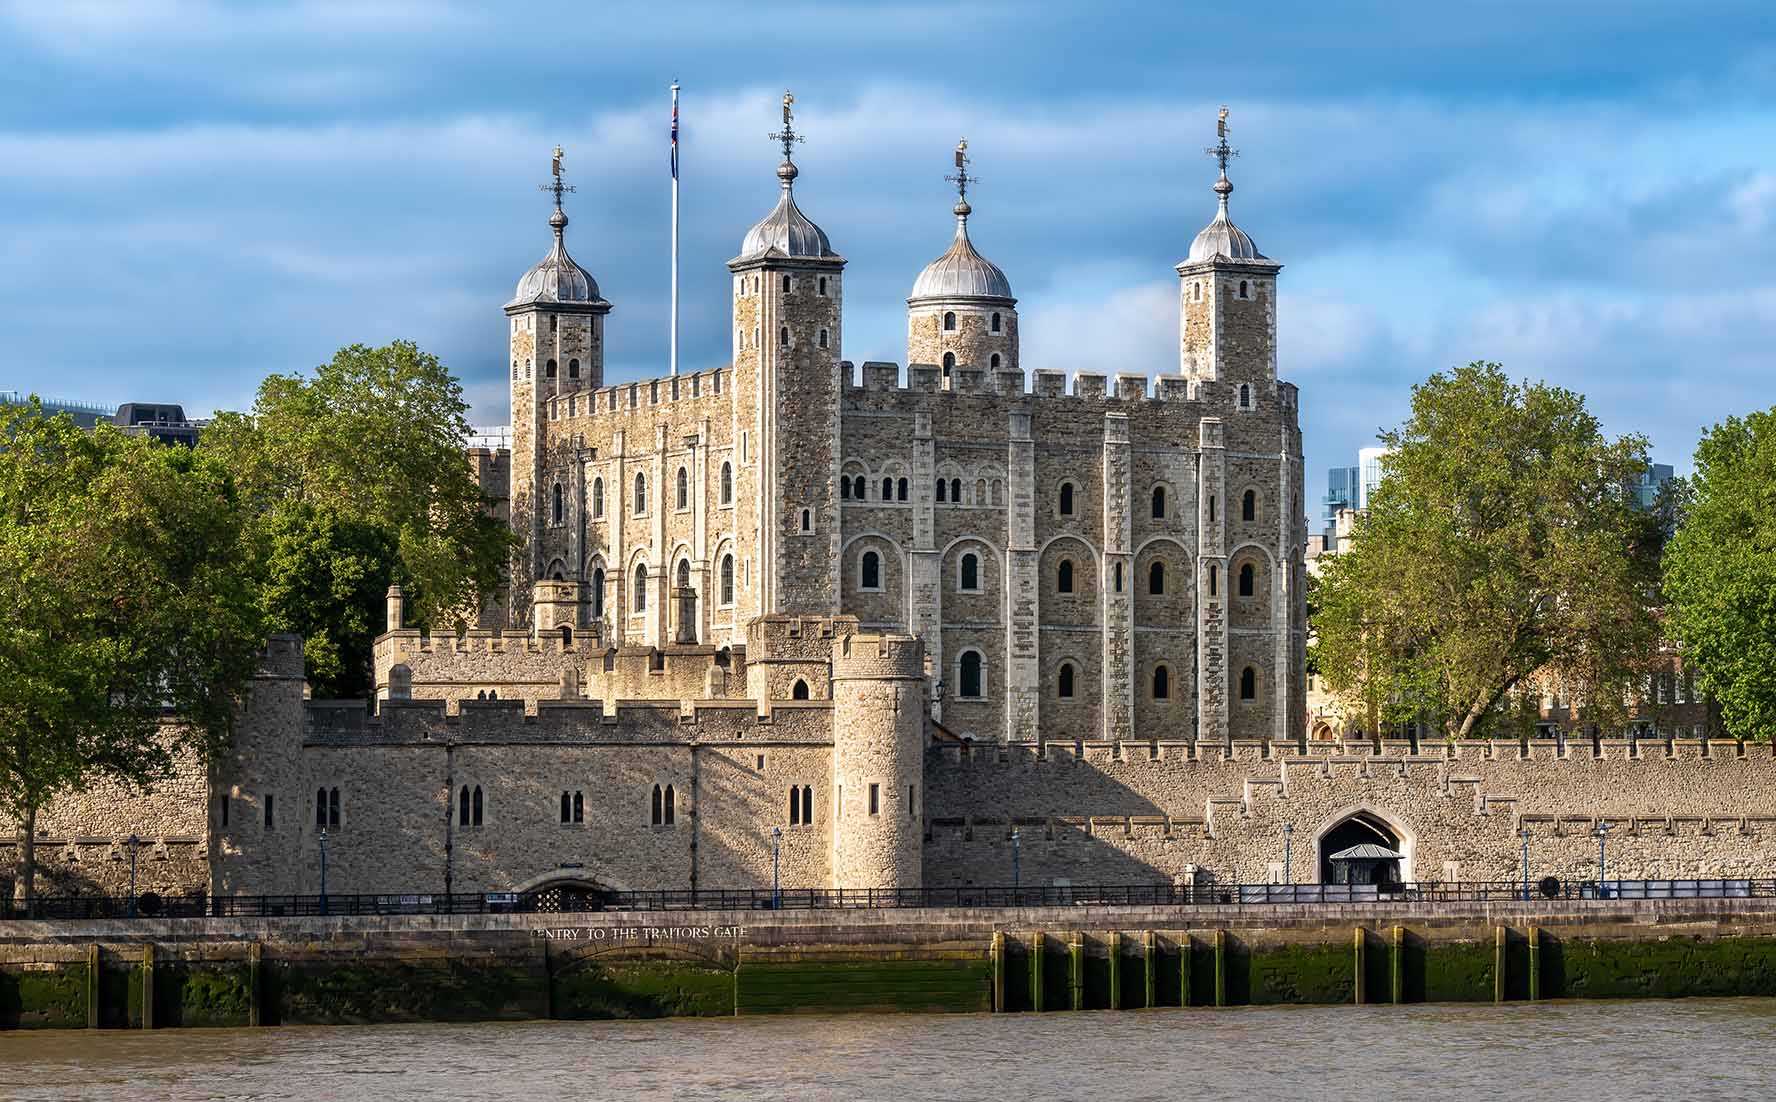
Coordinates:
(888, 657)
(880, 377)
(781, 638)
(282, 658)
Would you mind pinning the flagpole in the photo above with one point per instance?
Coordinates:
(674, 342)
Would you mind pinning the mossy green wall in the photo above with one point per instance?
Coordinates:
(1672, 967)
(821, 986)
(1300, 974)
(642, 989)
(443, 990)
(39, 998)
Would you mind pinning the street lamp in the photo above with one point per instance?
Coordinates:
(776, 850)
(1523, 833)
(1016, 872)
(133, 842)
(1602, 837)
(323, 840)
(1288, 839)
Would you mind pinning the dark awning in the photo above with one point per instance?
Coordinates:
(1368, 851)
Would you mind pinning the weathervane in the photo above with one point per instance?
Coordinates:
(787, 135)
(1221, 152)
(557, 186)
(962, 179)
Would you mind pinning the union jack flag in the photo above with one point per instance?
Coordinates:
(675, 132)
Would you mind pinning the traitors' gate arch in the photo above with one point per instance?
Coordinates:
(1364, 826)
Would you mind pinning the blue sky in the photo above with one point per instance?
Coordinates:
(193, 195)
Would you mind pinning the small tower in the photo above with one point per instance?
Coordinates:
(961, 312)
(1227, 303)
(788, 292)
(878, 761)
(556, 326)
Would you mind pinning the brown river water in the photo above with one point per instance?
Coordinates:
(1615, 1051)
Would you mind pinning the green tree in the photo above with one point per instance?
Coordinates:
(1503, 543)
(374, 440)
(120, 574)
(1720, 572)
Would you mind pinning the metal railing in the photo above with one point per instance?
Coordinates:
(581, 901)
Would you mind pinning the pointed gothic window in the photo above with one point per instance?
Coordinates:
(641, 495)
(799, 691)
(1245, 396)
(658, 816)
(807, 520)
(671, 806)
(598, 593)
(555, 510)
(641, 588)
(727, 484)
(727, 580)
(684, 489)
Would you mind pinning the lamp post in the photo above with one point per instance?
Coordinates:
(1602, 837)
(1288, 839)
(1523, 833)
(323, 840)
(133, 842)
(776, 850)
(1016, 872)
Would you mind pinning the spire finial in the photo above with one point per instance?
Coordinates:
(787, 170)
(962, 179)
(1222, 152)
(559, 219)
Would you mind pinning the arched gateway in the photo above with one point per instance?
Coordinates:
(1363, 848)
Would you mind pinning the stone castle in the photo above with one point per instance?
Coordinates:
(785, 618)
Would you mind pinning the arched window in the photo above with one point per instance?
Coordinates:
(970, 675)
(900, 490)
(641, 588)
(573, 369)
(566, 808)
(980, 491)
(823, 338)
(1245, 395)
(1064, 576)
(598, 497)
(1159, 502)
(970, 572)
(1064, 686)
(1248, 684)
(844, 488)
(799, 691)
(1156, 579)
(659, 812)
(462, 807)
(477, 816)
(683, 489)
(641, 494)
(671, 808)
(887, 489)
(598, 593)
(943, 490)
(555, 509)
(727, 484)
(514, 370)
(949, 321)
(549, 370)
(993, 361)
(567, 635)
(1066, 499)
(786, 285)
(996, 325)
(321, 808)
(807, 803)
(783, 336)
(807, 520)
(795, 806)
(1214, 579)
(1248, 579)
(727, 580)
(579, 807)
(949, 363)
(1162, 683)
(1242, 288)
(870, 577)
(684, 573)
(1249, 505)
(821, 284)
(955, 491)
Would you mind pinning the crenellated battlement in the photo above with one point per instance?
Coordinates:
(880, 377)
(664, 390)
(1393, 753)
(649, 722)
(896, 657)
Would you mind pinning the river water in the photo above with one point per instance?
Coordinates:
(1618, 1051)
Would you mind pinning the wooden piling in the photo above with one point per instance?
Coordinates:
(148, 986)
(1150, 955)
(255, 981)
(1535, 963)
(1076, 969)
(1221, 967)
(1358, 950)
(1036, 946)
(998, 971)
(1498, 964)
(1186, 955)
(1116, 970)
(1397, 966)
(92, 987)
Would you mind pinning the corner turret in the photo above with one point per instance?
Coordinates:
(878, 761)
(961, 312)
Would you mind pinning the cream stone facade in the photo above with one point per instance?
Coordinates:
(788, 620)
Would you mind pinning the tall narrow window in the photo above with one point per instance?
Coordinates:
(1248, 578)
(566, 808)
(807, 520)
(598, 497)
(727, 484)
(270, 812)
(970, 671)
(641, 588)
(807, 803)
(598, 594)
(949, 320)
(641, 494)
(658, 808)
(727, 580)
(333, 807)
(671, 808)
(1248, 684)
(912, 801)
(900, 490)
(556, 509)
(321, 808)
(993, 361)
(684, 573)
(579, 807)
(573, 369)
(1159, 502)
(1066, 499)
(821, 285)
(222, 811)
(887, 489)
(567, 635)
(1249, 505)
(1214, 579)
(823, 338)
(549, 370)
(955, 491)
(477, 814)
(875, 799)
(795, 806)
(871, 574)
(1064, 683)
(1211, 508)
(1245, 396)
(996, 323)
(684, 489)
(1064, 576)
(1156, 579)
(970, 572)
(1116, 583)
(1162, 683)
(462, 807)
(949, 363)
(943, 490)
(786, 285)
(783, 336)
(858, 488)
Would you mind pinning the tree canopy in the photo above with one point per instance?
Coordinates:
(1502, 545)
(119, 571)
(356, 478)
(1720, 572)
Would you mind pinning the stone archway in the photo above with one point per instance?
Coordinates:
(564, 894)
(1368, 836)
